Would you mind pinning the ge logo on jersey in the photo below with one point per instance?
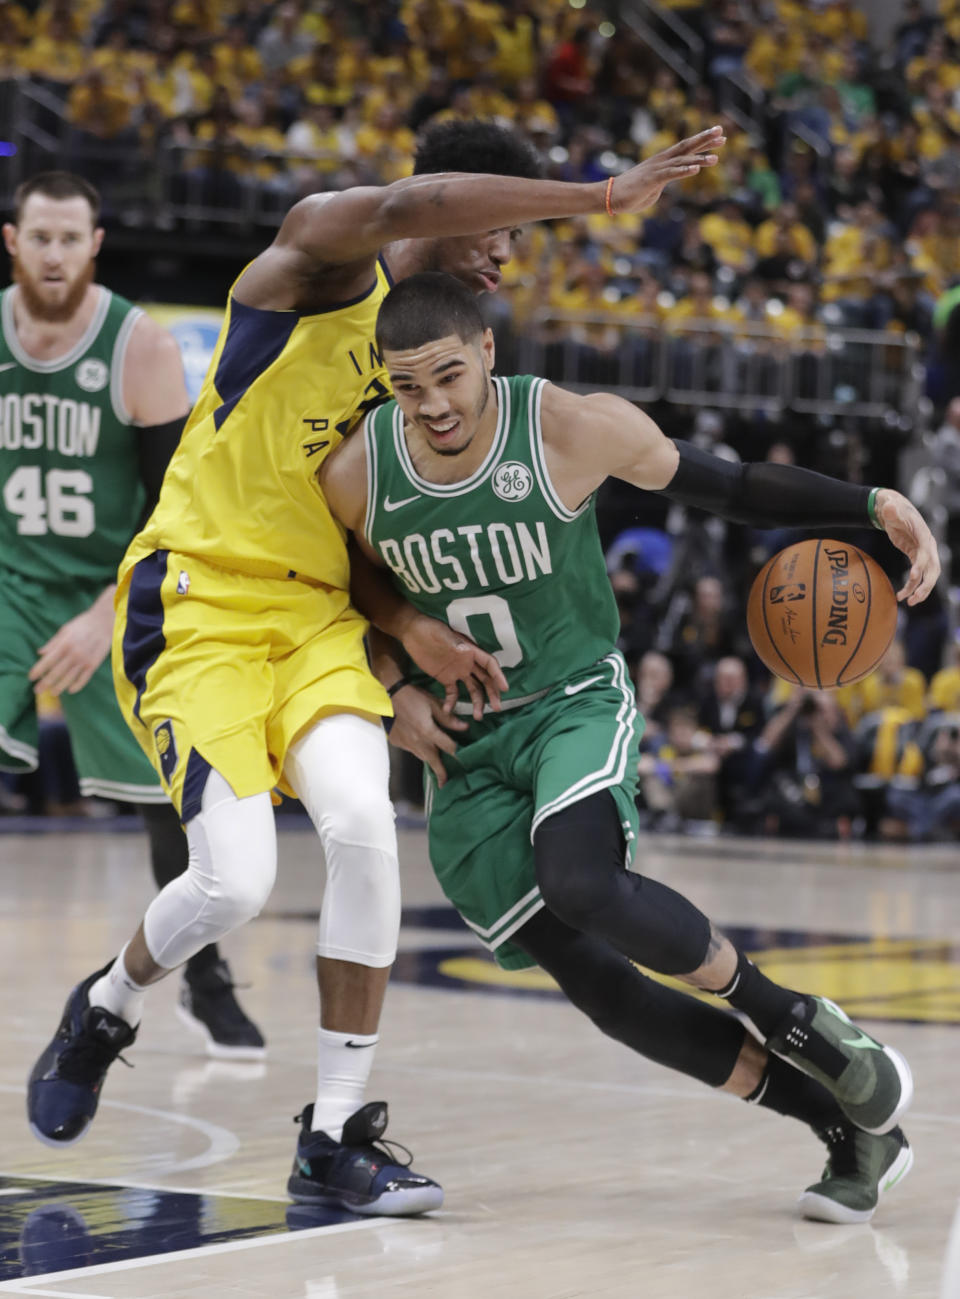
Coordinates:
(512, 481)
(92, 375)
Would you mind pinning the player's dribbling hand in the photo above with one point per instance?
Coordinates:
(907, 529)
(451, 658)
(422, 727)
(71, 656)
(642, 185)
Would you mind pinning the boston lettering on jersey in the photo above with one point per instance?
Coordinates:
(498, 556)
(70, 489)
(34, 420)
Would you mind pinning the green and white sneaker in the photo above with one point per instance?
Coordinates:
(870, 1082)
(860, 1167)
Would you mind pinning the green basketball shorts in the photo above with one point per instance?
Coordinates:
(512, 770)
(109, 761)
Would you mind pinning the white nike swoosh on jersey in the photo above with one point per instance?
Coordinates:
(8, 365)
(390, 506)
(581, 685)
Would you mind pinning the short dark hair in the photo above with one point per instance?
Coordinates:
(57, 185)
(477, 146)
(425, 307)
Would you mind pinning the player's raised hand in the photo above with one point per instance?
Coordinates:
(451, 658)
(71, 656)
(422, 726)
(642, 185)
(907, 529)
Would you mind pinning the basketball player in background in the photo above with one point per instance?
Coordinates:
(92, 404)
(239, 659)
(477, 494)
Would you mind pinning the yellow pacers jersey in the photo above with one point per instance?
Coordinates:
(282, 390)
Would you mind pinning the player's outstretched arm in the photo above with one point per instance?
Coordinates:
(326, 233)
(600, 435)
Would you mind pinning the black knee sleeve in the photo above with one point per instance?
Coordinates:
(660, 1023)
(168, 843)
(579, 854)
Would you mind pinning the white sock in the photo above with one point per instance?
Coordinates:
(116, 991)
(344, 1061)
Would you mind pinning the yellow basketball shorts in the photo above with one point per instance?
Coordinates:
(217, 669)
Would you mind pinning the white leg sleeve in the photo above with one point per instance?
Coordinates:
(340, 771)
(229, 875)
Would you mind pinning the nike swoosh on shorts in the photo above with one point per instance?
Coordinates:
(581, 685)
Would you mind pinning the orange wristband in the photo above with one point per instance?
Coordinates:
(607, 203)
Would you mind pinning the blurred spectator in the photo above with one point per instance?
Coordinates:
(678, 772)
(285, 39)
(891, 684)
(698, 628)
(808, 754)
(944, 693)
(731, 713)
(655, 696)
(929, 809)
(568, 76)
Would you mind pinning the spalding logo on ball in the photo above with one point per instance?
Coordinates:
(821, 614)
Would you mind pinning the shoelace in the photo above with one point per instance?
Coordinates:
(85, 1060)
(382, 1147)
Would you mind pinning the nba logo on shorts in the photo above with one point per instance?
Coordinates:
(183, 583)
(166, 749)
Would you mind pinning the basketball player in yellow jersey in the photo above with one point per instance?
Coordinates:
(239, 659)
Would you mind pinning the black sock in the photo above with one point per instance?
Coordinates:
(788, 1091)
(751, 992)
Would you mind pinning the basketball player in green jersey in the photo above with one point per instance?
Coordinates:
(477, 494)
(92, 402)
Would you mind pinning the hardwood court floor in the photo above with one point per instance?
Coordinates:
(571, 1167)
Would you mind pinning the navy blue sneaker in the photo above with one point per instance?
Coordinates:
(64, 1085)
(360, 1172)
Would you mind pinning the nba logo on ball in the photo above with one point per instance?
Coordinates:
(821, 614)
(166, 749)
(512, 481)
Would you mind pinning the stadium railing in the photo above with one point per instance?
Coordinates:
(869, 374)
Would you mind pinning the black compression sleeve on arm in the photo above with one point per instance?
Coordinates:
(157, 443)
(766, 495)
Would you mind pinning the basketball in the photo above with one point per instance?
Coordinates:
(821, 614)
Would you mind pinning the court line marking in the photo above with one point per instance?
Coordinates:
(122, 1184)
(182, 1255)
(223, 1142)
(63, 1294)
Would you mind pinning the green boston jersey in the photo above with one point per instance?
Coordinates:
(70, 490)
(498, 556)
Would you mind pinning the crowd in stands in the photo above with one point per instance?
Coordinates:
(836, 205)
